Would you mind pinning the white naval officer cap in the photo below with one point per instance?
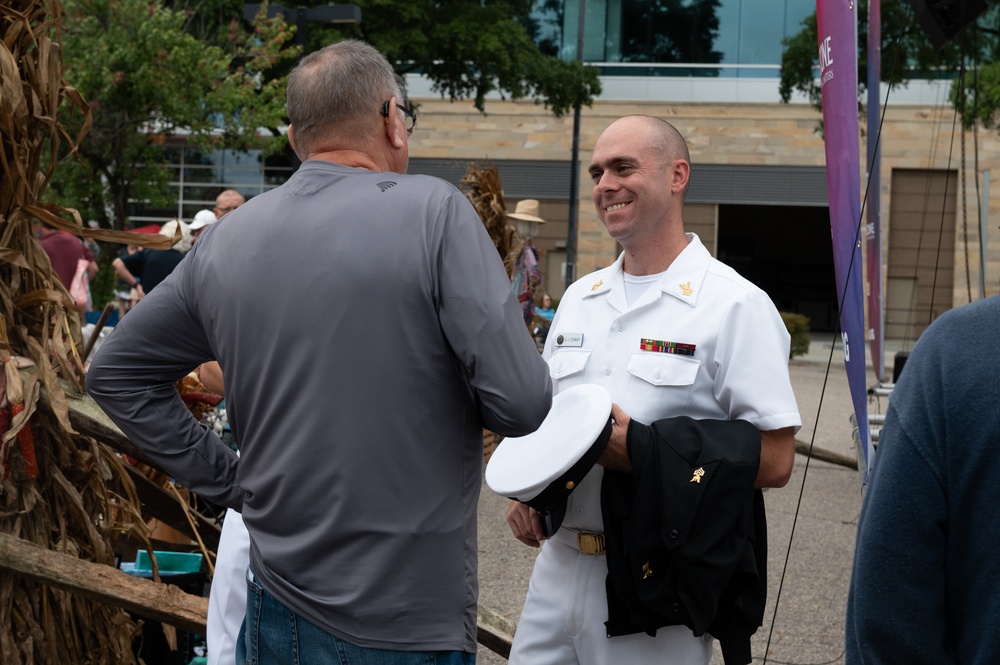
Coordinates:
(541, 469)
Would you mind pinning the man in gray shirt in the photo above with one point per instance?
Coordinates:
(368, 332)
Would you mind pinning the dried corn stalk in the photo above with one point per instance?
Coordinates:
(59, 489)
(482, 188)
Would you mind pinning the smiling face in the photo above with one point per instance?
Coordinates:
(640, 172)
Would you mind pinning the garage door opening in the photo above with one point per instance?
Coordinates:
(787, 251)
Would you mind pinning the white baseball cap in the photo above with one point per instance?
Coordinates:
(541, 469)
(202, 219)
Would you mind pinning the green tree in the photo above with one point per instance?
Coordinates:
(907, 54)
(469, 50)
(154, 68)
(146, 77)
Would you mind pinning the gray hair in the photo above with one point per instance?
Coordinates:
(340, 88)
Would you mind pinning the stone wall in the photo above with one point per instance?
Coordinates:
(914, 137)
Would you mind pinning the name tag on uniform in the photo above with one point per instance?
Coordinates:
(569, 339)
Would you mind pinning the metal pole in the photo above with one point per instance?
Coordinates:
(301, 25)
(984, 231)
(873, 235)
(574, 171)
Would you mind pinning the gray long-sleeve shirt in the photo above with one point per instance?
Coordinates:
(367, 332)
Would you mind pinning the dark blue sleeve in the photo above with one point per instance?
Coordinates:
(896, 608)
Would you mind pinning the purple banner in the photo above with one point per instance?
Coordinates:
(873, 206)
(836, 21)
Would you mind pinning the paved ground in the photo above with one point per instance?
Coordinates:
(804, 624)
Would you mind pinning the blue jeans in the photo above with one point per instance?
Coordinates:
(274, 635)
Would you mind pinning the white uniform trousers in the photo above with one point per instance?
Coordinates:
(227, 600)
(563, 618)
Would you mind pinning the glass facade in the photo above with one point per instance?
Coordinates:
(681, 37)
(637, 38)
(198, 177)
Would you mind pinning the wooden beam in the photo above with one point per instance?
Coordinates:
(88, 419)
(802, 448)
(163, 602)
(494, 631)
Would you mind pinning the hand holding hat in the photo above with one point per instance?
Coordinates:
(615, 454)
(526, 523)
(541, 469)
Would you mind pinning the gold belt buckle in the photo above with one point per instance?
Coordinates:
(590, 543)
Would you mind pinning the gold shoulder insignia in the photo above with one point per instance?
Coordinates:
(698, 473)
(686, 288)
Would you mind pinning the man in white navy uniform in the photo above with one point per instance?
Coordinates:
(668, 331)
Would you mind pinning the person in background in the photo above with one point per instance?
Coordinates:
(145, 269)
(544, 308)
(202, 220)
(361, 448)
(127, 296)
(227, 201)
(669, 331)
(65, 250)
(542, 320)
(924, 587)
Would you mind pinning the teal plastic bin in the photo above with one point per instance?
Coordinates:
(169, 562)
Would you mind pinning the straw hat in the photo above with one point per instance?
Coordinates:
(527, 210)
(170, 230)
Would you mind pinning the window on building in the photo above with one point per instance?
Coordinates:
(712, 37)
(199, 176)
